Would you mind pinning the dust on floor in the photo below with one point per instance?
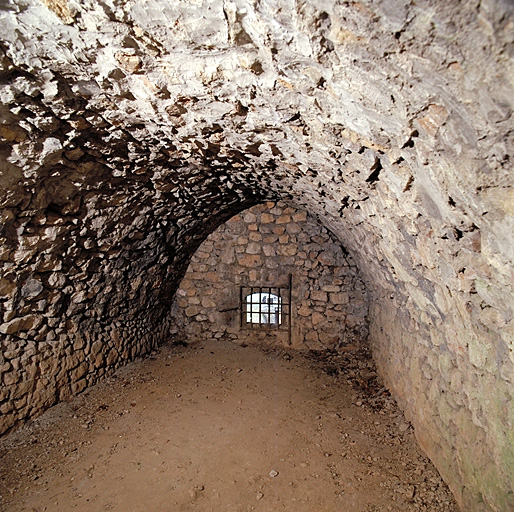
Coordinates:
(222, 427)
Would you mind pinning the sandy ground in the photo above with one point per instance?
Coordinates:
(221, 427)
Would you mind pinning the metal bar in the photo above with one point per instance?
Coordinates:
(269, 305)
(278, 314)
(260, 305)
(241, 306)
(290, 307)
(251, 306)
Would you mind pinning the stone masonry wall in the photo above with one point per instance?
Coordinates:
(261, 247)
(131, 129)
(86, 283)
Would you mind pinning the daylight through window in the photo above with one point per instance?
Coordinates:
(263, 308)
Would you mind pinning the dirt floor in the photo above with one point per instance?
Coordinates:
(221, 427)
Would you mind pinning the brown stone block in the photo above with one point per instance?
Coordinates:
(98, 361)
(249, 217)
(326, 258)
(79, 386)
(25, 323)
(353, 321)
(250, 260)
(191, 311)
(255, 236)
(293, 228)
(7, 286)
(304, 310)
(253, 248)
(10, 378)
(186, 283)
(20, 403)
(6, 408)
(96, 347)
(339, 298)
(328, 340)
(317, 318)
(268, 250)
(319, 295)
(79, 372)
(111, 357)
(208, 303)
(287, 250)
(130, 63)
(300, 216)
(228, 256)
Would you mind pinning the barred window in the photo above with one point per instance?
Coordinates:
(263, 308)
(266, 307)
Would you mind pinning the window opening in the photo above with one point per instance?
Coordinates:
(264, 307)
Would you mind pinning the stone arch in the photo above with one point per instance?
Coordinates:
(126, 140)
(273, 249)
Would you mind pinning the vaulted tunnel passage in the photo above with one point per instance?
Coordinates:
(131, 130)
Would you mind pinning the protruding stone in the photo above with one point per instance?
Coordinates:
(31, 288)
(7, 287)
(22, 324)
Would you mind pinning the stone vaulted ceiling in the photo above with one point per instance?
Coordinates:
(131, 129)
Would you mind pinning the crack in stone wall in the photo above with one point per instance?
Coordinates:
(131, 130)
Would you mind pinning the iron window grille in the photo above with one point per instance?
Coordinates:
(266, 307)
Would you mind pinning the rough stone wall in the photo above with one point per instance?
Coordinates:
(132, 129)
(85, 286)
(77, 300)
(262, 247)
